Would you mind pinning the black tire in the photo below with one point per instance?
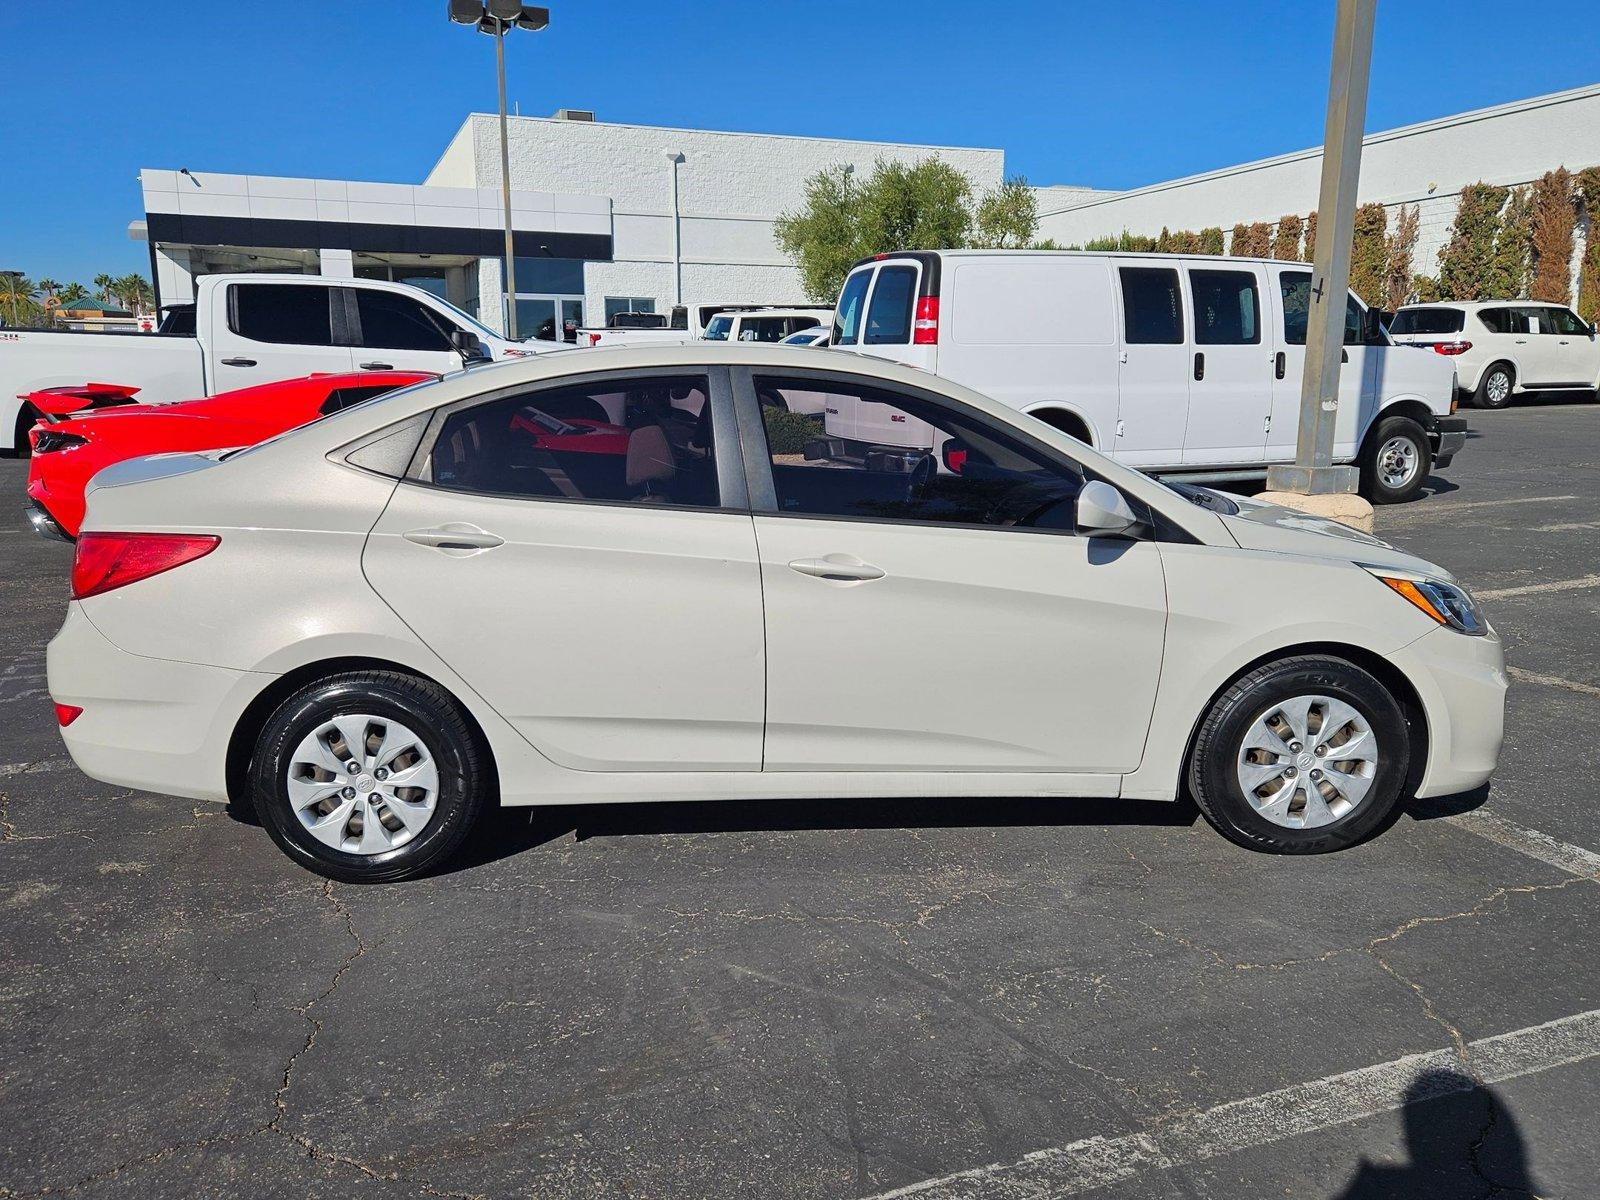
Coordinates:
(1482, 399)
(1213, 777)
(1387, 431)
(27, 417)
(465, 776)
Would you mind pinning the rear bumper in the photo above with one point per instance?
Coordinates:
(147, 723)
(1462, 684)
(1447, 437)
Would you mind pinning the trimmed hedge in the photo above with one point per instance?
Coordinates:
(1555, 218)
(1507, 272)
(1286, 241)
(1464, 261)
(1588, 189)
(1369, 253)
(788, 432)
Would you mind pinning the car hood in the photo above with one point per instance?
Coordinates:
(1271, 527)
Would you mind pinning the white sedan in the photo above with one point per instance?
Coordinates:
(496, 590)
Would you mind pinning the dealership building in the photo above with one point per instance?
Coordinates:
(611, 217)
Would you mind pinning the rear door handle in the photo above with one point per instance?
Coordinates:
(1199, 365)
(844, 567)
(238, 362)
(1280, 364)
(376, 366)
(457, 535)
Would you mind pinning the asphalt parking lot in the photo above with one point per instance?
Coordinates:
(996, 999)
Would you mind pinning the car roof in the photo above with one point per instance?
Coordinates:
(1474, 305)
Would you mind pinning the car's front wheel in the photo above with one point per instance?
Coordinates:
(1396, 462)
(1301, 756)
(369, 776)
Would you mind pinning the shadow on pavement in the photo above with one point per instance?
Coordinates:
(1435, 807)
(1461, 1140)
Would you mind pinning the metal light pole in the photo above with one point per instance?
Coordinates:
(1313, 472)
(496, 17)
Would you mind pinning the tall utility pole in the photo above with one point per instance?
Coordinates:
(1313, 472)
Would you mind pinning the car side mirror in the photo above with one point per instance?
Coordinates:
(1104, 512)
(1593, 329)
(1374, 320)
(953, 454)
(469, 346)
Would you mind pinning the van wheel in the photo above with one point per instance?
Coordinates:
(369, 776)
(1301, 756)
(1066, 422)
(1494, 389)
(1396, 461)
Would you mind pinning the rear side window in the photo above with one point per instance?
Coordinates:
(393, 322)
(290, 314)
(1152, 308)
(1495, 320)
(763, 329)
(1227, 308)
(1428, 320)
(889, 317)
(1295, 288)
(847, 314)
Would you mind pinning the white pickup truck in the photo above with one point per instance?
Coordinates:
(248, 329)
(713, 321)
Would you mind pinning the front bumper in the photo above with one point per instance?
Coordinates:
(1462, 684)
(1447, 437)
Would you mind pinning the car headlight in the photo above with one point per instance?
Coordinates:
(1444, 602)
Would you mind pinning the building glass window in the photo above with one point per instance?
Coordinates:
(558, 276)
(626, 304)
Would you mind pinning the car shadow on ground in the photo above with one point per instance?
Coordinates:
(509, 831)
(1435, 807)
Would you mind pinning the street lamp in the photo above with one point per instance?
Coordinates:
(496, 17)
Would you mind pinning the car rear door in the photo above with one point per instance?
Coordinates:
(274, 329)
(599, 589)
(1231, 367)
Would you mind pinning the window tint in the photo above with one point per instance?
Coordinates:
(179, 321)
(642, 442)
(717, 330)
(764, 329)
(1227, 308)
(883, 455)
(847, 316)
(342, 398)
(1152, 309)
(1496, 320)
(390, 321)
(1568, 322)
(889, 318)
(291, 314)
(1428, 320)
(1295, 288)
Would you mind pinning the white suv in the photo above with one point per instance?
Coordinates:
(1502, 347)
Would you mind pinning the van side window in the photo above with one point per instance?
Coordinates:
(1227, 308)
(287, 314)
(1295, 288)
(1152, 308)
(889, 318)
(847, 318)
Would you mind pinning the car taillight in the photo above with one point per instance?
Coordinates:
(105, 561)
(47, 441)
(66, 714)
(925, 328)
(1451, 347)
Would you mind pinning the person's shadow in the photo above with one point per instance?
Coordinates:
(1461, 1141)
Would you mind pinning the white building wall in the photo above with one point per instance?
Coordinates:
(1425, 164)
(731, 188)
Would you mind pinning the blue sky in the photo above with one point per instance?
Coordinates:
(1111, 95)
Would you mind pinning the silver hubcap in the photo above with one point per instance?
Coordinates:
(1499, 386)
(1308, 761)
(362, 784)
(1398, 461)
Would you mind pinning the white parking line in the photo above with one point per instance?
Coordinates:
(35, 768)
(1555, 681)
(1445, 510)
(1564, 856)
(1304, 1108)
(1529, 589)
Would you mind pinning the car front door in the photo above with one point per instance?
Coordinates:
(396, 332)
(595, 582)
(939, 612)
(265, 331)
(1231, 376)
(1358, 383)
(1577, 351)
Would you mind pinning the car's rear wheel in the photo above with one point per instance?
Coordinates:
(27, 417)
(1396, 462)
(369, 776)
(1301, 756)
(1494, 389)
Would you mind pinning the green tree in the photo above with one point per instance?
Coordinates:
(824, 237)
(72, 293)
(1507, 274)
(1008, 217)
(1369, 253)
(1286, 240)
(1211, 240)
(132, 290)
(1588, 190)
(17, 302)
(102, 285)
(1463, 262)
(1397, 271)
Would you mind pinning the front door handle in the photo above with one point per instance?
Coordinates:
(1199, 364)
(457, 535)
(1280, 364)
(841, 567)
(1344, 356)
(238, 362)
(376, 366)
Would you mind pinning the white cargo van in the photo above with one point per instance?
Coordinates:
(1181, 365)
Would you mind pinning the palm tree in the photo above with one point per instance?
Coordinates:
(102, 284)
(18, 292)
(133, 291)
(72, 293)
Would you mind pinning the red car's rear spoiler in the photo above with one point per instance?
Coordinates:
(57, 403)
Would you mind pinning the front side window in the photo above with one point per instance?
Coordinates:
(847, 314)
(1295, 288)
(1152, 308)
(1227, 308)
(287, 314)
(645, 441)
(1568, 323)
(717, 330)
(1428, 320)
(390, 321)
(968, 472)
(893, 299)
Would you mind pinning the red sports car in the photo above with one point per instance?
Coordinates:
(68, 450)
